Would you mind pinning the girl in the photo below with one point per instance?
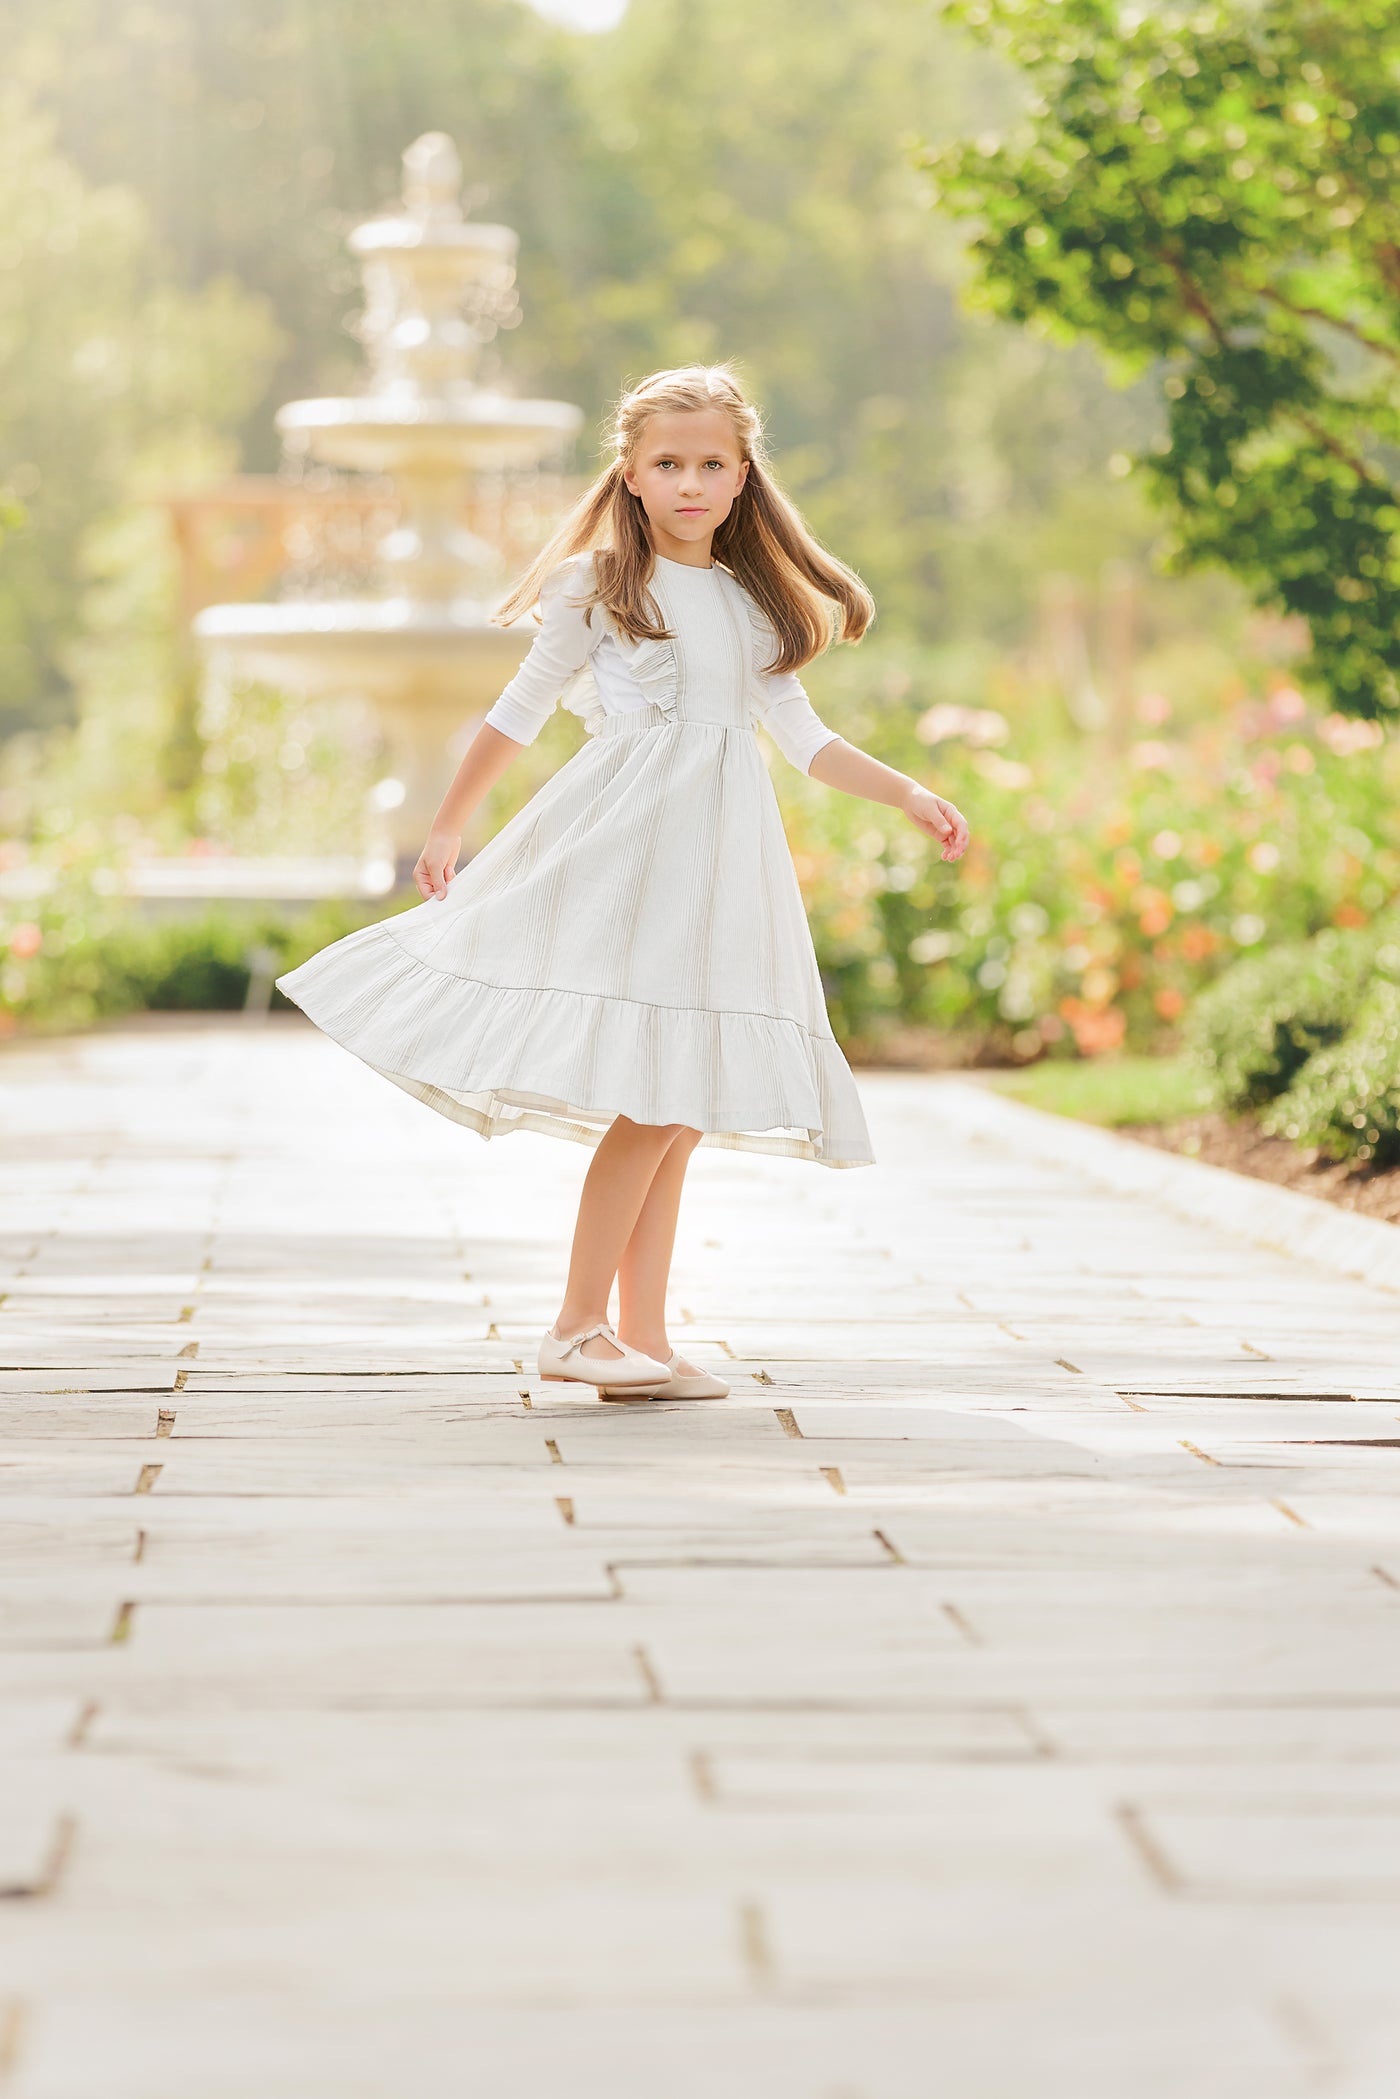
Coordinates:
(628, 962)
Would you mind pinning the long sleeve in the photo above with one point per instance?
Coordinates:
(791, 719)
(557, 653)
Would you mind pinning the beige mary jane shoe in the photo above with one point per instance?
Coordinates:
(562, 1361)
(701, 1386)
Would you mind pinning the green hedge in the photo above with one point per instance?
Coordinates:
(85, 973)
(1346, 1099)
(1310, 1034)
(1256, 1028)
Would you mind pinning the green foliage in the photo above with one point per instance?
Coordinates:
(1252, 1032)
(1211, 188)
(1310, 1033)
(100, 962)
(1346, 1100)
(106, 379)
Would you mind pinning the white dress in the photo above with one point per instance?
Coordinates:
(633, 941)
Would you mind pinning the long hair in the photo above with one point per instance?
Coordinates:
(808, 597)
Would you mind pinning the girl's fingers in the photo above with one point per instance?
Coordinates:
(431, 881)
(957, 826)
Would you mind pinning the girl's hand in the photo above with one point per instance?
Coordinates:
(939, 819)
(437, 864)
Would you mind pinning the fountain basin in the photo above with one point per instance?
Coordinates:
(385, 433)
(369, 645)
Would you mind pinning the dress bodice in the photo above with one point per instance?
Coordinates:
(714, 643)
(709, 669)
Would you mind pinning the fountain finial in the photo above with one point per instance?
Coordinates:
(432, 179)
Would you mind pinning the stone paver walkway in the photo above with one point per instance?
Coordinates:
(997, 1698)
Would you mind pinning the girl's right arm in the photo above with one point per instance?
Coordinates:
(487, 756)
(559, 650)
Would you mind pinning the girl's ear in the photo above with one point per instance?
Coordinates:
(629, 480)
(743, 476)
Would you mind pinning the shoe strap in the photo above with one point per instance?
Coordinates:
(591, 1333)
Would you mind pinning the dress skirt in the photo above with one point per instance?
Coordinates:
(632, 942)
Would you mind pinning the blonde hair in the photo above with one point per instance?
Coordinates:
(807, 595)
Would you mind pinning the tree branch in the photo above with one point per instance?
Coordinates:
(1330, 320)
(1338, 450)
(1197, 303)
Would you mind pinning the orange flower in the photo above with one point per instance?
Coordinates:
(26, 940)
(1349, 915)
(1197, 942)
(1169, 1001)
(1156, 914)
(1095, 1028)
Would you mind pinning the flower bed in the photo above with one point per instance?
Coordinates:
(1107, 883)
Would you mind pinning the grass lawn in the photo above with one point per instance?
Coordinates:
(1108, 1089)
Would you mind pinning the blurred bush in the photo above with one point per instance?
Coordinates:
(1346, 1099)
(1255, 1029)
(74, 963)
(1310, 1034)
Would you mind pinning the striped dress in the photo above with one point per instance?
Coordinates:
(633, 941)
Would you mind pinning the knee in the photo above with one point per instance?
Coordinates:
(667, 1132)
(664, 1134)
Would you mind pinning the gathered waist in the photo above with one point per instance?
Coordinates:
(637, 719)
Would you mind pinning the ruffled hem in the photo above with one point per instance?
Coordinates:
(499, 1058)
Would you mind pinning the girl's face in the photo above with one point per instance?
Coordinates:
(687, 470)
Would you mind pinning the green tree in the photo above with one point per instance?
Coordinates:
(105, 376)
(1210, 189)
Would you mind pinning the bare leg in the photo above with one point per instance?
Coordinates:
(645, 1267)
(614, 1192)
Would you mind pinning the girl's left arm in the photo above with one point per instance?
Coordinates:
(804, 738)
(841, 764)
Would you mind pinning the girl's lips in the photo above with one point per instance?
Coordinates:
(695, 510)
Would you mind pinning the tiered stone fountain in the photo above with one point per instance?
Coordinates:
(421, 650)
